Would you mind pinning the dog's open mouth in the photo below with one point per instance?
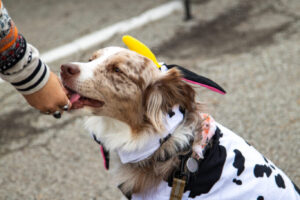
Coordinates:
(78, 101)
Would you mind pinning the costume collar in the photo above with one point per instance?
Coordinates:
(202, 139)
(171, 122)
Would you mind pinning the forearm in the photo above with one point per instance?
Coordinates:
(19, 61)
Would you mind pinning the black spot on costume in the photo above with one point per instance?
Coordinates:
(260, 170)
(238, 182)
(239, 162)
(279, 181)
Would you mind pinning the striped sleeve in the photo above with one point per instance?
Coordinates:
(19, 61)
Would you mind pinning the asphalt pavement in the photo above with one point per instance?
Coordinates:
(251, 48)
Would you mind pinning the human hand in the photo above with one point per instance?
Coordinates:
(51, 98)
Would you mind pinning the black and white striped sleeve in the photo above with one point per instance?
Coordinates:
(19, 61)
(29, 74)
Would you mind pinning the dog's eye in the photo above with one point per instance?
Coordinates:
(116, 69)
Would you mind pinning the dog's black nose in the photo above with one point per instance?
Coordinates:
(70, 69)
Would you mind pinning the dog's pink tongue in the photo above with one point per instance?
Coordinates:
(74, 98)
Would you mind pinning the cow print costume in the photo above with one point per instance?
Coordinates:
(231, 169)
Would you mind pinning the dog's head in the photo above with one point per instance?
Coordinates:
(121, 84)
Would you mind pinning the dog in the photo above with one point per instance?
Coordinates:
(166, 147)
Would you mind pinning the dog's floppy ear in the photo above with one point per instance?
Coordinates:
(165, 92)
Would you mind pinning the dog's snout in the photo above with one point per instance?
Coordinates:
(70, 69)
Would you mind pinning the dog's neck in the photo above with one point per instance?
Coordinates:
(145, 173)
(132, 148)
(171, 122)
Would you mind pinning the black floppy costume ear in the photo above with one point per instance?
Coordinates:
(194, 78)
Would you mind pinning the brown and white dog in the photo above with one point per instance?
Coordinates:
(128, 99)
(131, 95)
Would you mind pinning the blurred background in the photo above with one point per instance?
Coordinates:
(251, 48)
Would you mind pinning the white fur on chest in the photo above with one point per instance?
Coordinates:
(116, 135)
(113, 133)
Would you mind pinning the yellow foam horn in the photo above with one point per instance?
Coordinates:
(135, 45)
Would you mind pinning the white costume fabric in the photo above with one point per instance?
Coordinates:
(231, 170)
